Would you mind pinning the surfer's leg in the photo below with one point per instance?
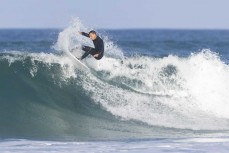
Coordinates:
(88, 50)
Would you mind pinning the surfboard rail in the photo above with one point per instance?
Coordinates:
(70, 54)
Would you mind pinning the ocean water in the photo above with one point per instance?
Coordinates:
(153, 91)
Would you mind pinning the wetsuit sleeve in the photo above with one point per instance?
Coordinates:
(85, 34)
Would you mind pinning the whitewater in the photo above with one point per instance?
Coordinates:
(49, 101)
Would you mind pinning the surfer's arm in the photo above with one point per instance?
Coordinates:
(84, 34)
(100, 48)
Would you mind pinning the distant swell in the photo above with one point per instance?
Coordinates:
(49, 96)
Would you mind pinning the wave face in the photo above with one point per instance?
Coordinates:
(47, 95)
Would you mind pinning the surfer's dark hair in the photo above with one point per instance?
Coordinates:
(92, 31)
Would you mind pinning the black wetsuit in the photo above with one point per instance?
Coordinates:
(99, 48)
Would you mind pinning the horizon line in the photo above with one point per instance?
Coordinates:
(137, 28)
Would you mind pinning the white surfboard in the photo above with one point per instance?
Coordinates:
(78, 61)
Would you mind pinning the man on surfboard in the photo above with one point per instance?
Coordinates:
(96, 52)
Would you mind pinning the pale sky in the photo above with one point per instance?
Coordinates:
(187, 14)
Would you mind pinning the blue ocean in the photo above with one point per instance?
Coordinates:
(155, 90)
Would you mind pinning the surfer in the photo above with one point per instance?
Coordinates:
(96, 52)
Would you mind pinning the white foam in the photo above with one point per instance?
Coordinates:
(193, 95)
(210, 145)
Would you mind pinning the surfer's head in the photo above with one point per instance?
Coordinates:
(92, 35)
